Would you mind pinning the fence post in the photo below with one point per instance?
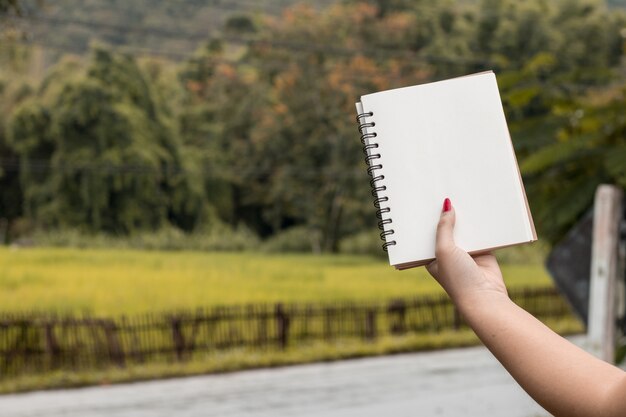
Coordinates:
(604, 262)
(116, 353)
(52, 346)
(370, 324)
(178, 338)
(262, 326)
(308, 313)
(328, 323)
(282, 326)
(397, 308)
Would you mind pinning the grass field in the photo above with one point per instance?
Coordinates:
(115, 282)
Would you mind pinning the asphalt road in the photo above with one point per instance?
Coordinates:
(459, 382)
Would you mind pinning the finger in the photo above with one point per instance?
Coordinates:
(433, 268)
(445, 230)
(487, 260)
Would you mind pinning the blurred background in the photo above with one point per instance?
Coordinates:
(182, 187)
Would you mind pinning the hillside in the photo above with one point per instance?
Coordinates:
(172, 29)
(616, 3)
(160, 27)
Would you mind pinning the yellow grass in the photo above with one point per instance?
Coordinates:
(115, 282)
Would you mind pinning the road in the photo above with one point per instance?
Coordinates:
(459, 382)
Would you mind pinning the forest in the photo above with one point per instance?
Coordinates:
(235, 129)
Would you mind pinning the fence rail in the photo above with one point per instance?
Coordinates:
(31, 343)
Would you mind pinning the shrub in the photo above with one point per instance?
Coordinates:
(218, 238)
(294, 239)
(534, 253)
(364, 243)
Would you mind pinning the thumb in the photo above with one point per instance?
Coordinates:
(445, 230)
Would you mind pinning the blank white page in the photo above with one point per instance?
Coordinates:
(448, 139)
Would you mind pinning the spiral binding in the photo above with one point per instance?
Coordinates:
(372, 166)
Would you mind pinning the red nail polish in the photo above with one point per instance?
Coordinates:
(447, 205)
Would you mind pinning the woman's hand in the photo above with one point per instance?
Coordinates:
(563, 378)
(465, 278)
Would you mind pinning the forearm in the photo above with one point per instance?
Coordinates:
(563, 378)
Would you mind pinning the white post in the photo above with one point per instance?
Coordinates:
(607, 214)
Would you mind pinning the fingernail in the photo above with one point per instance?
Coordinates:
(447, 205)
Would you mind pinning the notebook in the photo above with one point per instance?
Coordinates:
(443, 139)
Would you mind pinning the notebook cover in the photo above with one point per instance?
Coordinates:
(447, 139)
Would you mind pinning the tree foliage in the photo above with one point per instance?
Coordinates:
(589, 149)
(7, 6)
(257, 127)
(97, 152)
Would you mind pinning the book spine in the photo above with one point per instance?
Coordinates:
(368, 136)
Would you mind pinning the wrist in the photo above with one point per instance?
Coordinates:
(479, 302)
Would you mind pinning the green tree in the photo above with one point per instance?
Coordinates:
(218, 113)
(259, 123)
(8, 6)
(11, 195)
(110, 160)
(589, 149)
(284, 119)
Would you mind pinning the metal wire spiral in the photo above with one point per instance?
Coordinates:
(377, 188)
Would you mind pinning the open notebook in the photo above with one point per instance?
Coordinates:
(443, 139)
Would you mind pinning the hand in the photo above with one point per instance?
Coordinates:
(563, 378)
(465, 278)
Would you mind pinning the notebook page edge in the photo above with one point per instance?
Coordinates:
(428, 83)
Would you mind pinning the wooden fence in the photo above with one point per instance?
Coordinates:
(31, 343)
